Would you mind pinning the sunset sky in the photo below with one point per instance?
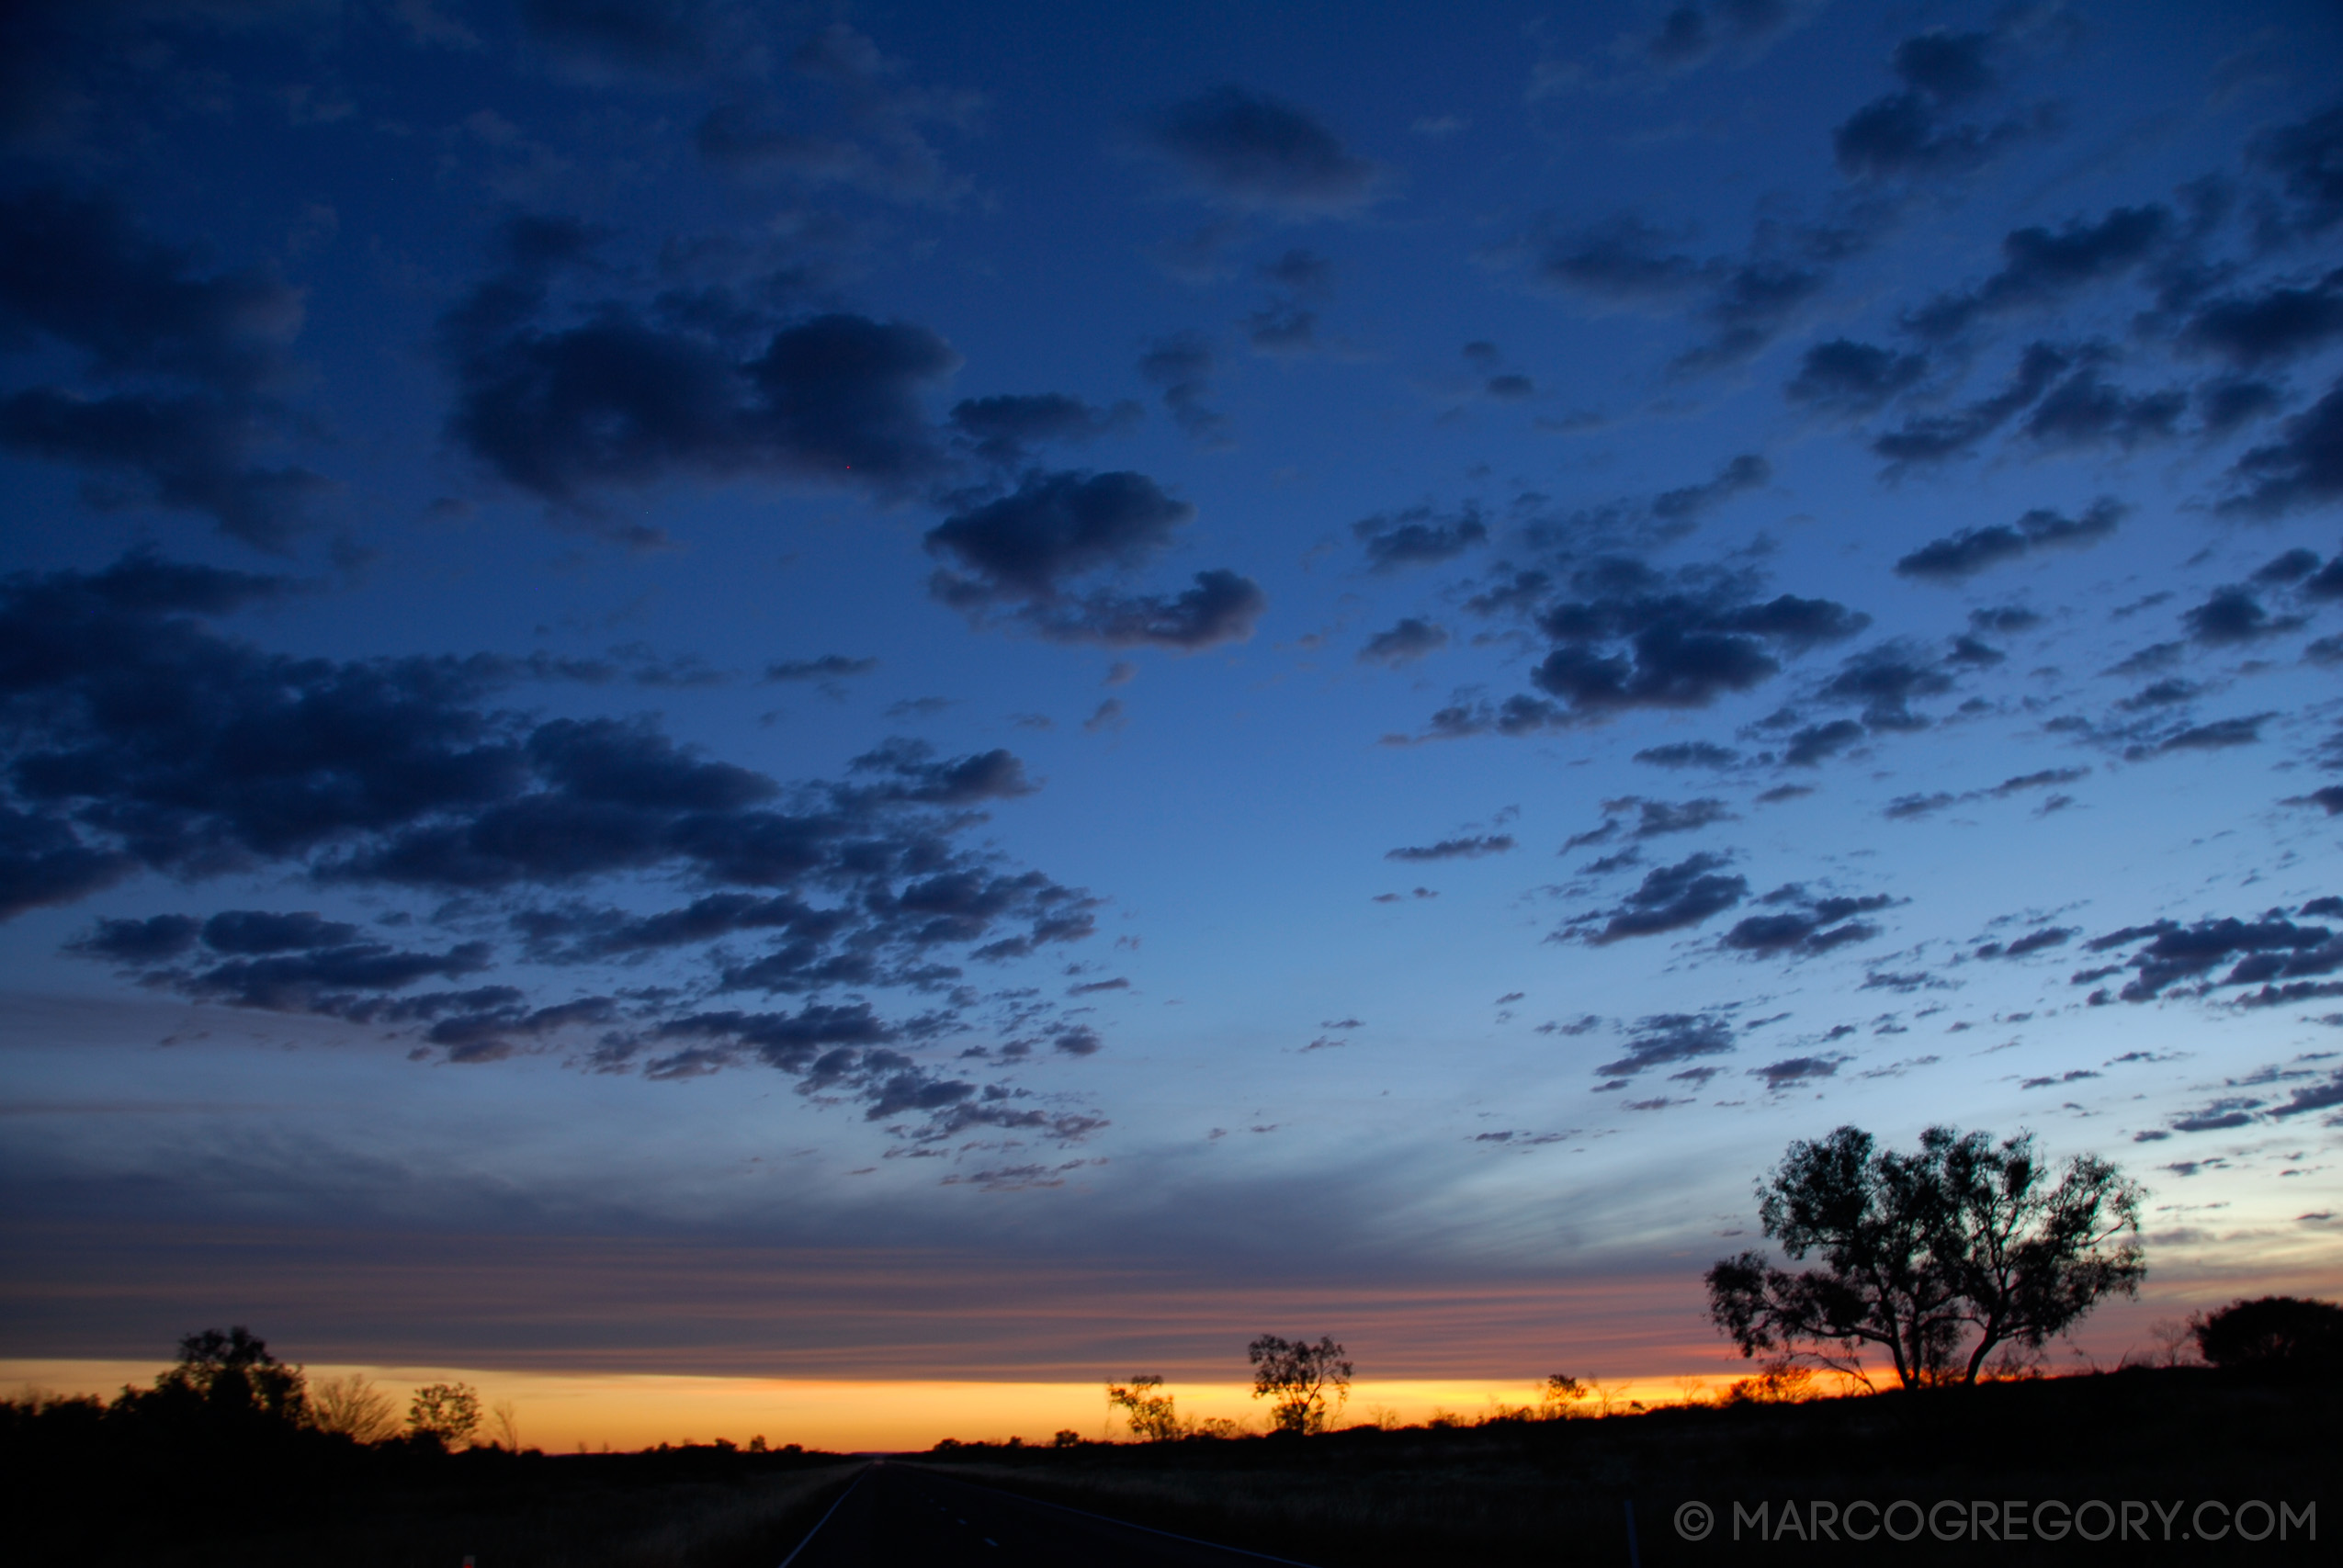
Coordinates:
(999, 695)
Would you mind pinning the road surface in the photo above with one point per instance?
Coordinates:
(898, 1514)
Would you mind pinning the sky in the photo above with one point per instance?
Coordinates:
(892, 695)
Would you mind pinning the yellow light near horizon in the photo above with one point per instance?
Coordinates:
(561, 1412)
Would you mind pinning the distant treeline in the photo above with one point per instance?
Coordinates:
(231, 1455)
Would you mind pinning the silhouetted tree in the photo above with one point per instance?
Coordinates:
(444, 1413)
(353, 1407)
(1295, 1375)
(233, 1373)
(505, 1420)
(1563, 1395)
(2273, 1331)
(1963, 1241)
(1151, 1414)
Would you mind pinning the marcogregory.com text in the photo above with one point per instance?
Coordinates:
(2001, 1520)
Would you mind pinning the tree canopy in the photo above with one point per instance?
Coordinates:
(444, 1413)
(1936, 1257)
(1153, 1415)
(1295, 1375)
(230, 1374)
(2274, 1332)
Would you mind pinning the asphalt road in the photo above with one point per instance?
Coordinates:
(899, 1514)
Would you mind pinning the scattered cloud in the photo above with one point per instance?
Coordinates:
(1255, 152)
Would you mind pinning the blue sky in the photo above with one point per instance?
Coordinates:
(1070, 680)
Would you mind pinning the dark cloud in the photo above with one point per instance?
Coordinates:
(1689, 35)
(1847, 377)
(133, 735)
(1418, 536)
(2268, 951)
(1182, 364)
(1936, 439)
(1054, 527)
(2313, 1097)
(1972, 550)
(2161, 694)
(1254, 151)
(1671, 898)
(2040, 265)
(1743, 302)
(1800, 924)
(2040, 939)
(848, 1051)
(658, 35)
(1885, 679)
(345, 980)
(2218, 736)
(625, 397)
(1748, 472)
(2007, 620)
(828, 667)
(1665, 1038)
(1625, 259)
(177, 393)
(2303, 467)
(1689, 754)
(1796, 1072)
(1951, 68)
(1912, 134)
(1282, 328)
(2043, 779)
(1968, 651)
(1810, 746)
(2293, 566)
(2078, 1075)
(1471, 848)
(1021, 548)
(1635, 639)
(77, 271)
(875, 138)
(2255, 331)
(2084, 410)
(2233, 616)
(1005, 429)
(2232, 402)
(2307, 157)
(1221, 607)
(1300, 271)
(247, 932)
(286, 963)
(1584, 534)
(154, 940)
(1655, 819)
(1409, 639)
(2328, 799)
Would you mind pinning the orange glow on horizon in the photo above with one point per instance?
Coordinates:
(564, 1412)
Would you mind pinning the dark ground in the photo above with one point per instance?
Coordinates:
(1559, 1492)
(1506, 1493)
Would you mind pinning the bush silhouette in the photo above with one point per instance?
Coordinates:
(2274, 1332)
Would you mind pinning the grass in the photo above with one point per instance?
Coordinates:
(1500, 1492)
(1548, 1492)
(567, 1511)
